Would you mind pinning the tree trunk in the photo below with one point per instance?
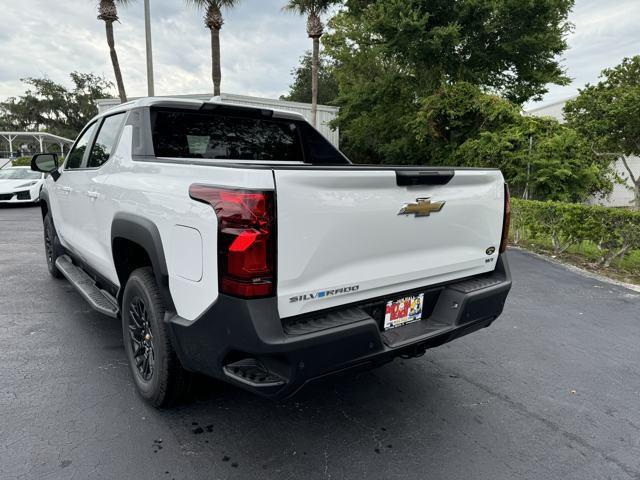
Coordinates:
(558, 247)
(114, 60)
(613, 254)
(216, 74)
(314, 81)
(635, 181)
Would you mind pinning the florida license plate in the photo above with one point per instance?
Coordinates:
(403, 311)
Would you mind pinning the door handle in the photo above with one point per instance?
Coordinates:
(93, 194)
(65, 189)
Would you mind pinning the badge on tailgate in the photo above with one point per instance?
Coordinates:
(422, 208)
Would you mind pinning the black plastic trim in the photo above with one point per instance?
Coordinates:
(406, 178)
(304, 166)
(234, 329)
(144, 232)
(44, 202)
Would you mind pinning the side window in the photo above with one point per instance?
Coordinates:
(105, 141)
(74, 159)
(320, 150)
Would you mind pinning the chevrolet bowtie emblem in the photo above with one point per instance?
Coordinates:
(422, 208)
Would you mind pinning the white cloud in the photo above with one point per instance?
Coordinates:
(260, 45)
(605, 33)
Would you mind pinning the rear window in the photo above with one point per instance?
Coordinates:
(213, 136)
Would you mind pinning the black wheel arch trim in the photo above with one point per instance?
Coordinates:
(44, 202)
(143, 232)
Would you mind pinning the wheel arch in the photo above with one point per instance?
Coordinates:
(130, 236)
(44, 203)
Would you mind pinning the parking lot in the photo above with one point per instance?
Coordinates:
(550, 391)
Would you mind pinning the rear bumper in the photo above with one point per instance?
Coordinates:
(235, 334)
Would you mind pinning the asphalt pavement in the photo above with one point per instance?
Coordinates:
(550, 391)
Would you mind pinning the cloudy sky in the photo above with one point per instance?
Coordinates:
(260, 45)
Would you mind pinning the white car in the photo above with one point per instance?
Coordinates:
(20, 185)
(239, 243)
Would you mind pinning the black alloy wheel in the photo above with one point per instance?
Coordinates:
(141, 338)
(155, 367)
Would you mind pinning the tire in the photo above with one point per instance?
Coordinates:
(51, 246)
(156, 369)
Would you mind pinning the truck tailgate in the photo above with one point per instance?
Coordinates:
(342, 239)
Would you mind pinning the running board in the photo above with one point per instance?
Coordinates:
(100, 300)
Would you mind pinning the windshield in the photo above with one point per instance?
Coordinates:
(19, 174)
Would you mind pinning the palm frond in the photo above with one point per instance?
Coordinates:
(205, 3)
(197, 3)
(296, 6)
(305, 7)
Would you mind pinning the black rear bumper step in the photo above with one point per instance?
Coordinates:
(253, 373)
(473, 284)
(302, 326)
(99, 300)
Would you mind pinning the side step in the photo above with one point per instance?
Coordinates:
(98, 299)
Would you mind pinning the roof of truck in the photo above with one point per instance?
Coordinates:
(177, 102)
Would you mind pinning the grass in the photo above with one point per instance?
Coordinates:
(586, 255)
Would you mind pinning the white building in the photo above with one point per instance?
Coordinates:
(325, 113)
(622, 195)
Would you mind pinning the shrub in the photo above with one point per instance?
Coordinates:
(614, 231)
(26, 161)
(22, 162)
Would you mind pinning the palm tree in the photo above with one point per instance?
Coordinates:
(213, 21)
(108, 12)
(315, 29)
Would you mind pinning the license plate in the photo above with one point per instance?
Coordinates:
(403, 311)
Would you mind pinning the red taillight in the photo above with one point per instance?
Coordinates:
(507, 219)
(246, 235)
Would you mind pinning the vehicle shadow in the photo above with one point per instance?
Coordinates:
(363, 419)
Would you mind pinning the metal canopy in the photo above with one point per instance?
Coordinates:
(44, 139)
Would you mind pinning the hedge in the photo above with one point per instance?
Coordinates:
(22, 162)
(26, 161)
(615, 231)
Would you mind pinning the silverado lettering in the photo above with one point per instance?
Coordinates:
(324, 294)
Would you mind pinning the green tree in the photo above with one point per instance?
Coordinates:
(108, 12)
(539, 157)
(213, 20)
(456, 113)
(54, 108)
(313, 9)
(391, 54)
(300, 89)
(608, 113)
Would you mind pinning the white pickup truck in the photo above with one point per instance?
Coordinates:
(239, 243)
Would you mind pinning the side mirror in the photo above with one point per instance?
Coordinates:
(45, 163)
